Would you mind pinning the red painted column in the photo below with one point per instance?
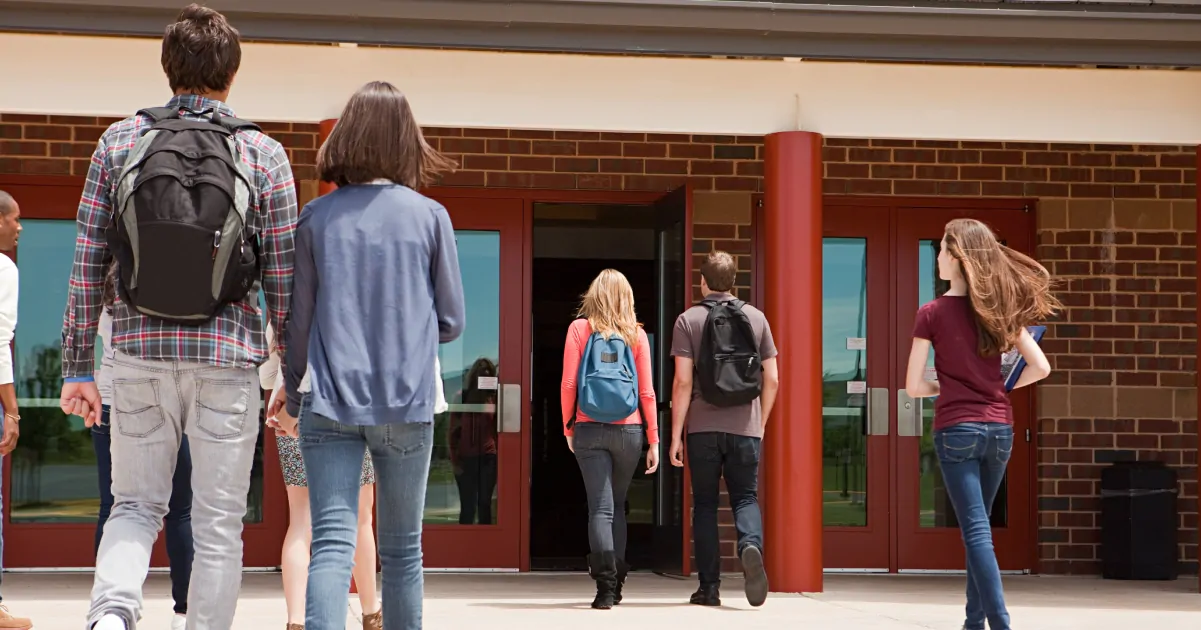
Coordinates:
(1199, 350)
(793, 299)
(325, 127)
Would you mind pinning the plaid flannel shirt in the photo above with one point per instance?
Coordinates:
(235, 337)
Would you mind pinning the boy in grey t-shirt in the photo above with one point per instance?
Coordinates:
(723, 442)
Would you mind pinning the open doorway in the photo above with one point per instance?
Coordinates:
(572, 244)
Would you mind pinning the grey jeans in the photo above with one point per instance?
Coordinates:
(154, 404)
(608, 455)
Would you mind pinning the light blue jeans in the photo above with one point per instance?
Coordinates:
(973, 456)
(333, 458)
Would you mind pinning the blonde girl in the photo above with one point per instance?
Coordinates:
(608, 452)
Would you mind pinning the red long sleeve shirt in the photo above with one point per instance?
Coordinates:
(573, 350)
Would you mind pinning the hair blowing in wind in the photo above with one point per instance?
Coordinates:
(1008, 290)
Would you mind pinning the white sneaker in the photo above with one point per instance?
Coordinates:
(110, 622)
(178, 622)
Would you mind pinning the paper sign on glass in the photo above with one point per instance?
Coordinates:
(488, 382)
(856, 343)
(856, 387)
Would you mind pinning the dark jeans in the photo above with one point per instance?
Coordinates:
(179, 514)
(608, 455)
(712, 456)
(973, 457)
(476, 479)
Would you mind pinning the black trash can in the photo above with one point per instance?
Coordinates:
(1139, 522)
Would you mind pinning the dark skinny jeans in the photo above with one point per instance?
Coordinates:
(711, 457)
(608, 455)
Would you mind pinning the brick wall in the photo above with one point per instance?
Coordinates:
(1116, 225)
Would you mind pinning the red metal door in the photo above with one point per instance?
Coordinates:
(476, 497)
(927, 534)
(855, 419)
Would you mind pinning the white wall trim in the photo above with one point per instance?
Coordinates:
(77, 75)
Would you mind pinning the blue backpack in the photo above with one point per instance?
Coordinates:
(607, 385)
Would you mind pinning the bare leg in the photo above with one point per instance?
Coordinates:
(364, 553)
(295, 562)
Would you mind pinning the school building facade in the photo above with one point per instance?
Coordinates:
(825, 146)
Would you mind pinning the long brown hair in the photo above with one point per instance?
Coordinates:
(1008, 290)
(608, 305)
(376, 137)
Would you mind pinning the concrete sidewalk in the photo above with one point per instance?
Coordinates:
(541, 600)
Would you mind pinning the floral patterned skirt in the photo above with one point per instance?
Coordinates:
(292, 463)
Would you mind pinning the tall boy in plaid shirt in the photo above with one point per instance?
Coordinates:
(170, 380)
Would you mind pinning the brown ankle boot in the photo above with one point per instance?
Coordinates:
(295, 626)
(374, 621)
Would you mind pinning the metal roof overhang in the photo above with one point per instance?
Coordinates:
(1051, 33)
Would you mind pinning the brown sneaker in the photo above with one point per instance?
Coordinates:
(296, 626)
(9, 622)
(374, 621)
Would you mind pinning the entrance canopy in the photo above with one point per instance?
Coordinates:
(51, 74)
(1163, 33)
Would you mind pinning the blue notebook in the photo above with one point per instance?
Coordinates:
(1012, 362)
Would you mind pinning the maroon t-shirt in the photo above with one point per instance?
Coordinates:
(970, 386)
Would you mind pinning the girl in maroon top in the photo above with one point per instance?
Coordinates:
(995, 294)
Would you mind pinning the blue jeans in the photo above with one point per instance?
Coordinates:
(713, 456)
(333, 457)
(179, 514)
(973, 456)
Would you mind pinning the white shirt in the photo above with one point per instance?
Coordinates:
(9, 281)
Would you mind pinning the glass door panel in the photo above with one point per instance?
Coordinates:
(855, 403)
(475, 492)
(928, 535)
(462, 478)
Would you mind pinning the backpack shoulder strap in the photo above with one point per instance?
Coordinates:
(234, 124)
(158, 114)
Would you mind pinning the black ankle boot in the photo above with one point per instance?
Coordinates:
(603, 568)
(706, 595)
(623, 570)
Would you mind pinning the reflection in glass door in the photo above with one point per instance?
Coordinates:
(855, 409)
(462, 478)
(53, 495)
(475, 494)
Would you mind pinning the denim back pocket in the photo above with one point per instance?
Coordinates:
(957, 446)
(137, 410)
(222, 406)
(1002, 446)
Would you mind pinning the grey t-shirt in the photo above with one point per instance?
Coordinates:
(686, 342)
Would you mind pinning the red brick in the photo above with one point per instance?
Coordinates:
(642, 149)
(622, 165)
(599, 149)
(553, 147)
(691, 151)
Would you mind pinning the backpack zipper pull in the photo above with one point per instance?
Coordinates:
(216, 243)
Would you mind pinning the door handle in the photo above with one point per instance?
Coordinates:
(508, 419)
(909, 415)
(877, 411)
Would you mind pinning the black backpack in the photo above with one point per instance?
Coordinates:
(179, 229)
(728, 368)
